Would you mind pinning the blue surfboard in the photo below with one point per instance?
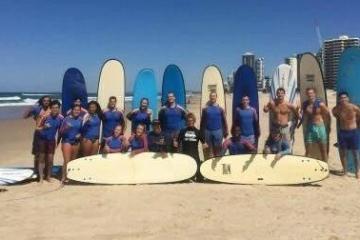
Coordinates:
(173, 81)
(245, 85)
(73, 87)
(145, 87)
(349, 81)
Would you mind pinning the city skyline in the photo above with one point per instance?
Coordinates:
(41, 39)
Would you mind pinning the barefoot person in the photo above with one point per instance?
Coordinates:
(117, 142)
(247, 119)
(70, 133)
(111, 118)
(171, 117)
(138, 141)
(213, 126)
(276, 144)
(91, 129)
(281, 111)
(142, 115)
(316, 134)
(188, 141)
(37, 112)
(348, 116)
(48, 127)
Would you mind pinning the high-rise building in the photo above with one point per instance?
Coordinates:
(249, 59)
(332, 50)
(259, 71)
(267, 80)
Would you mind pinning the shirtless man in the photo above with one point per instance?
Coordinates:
(281, 111)
(316, 112)
(347, 114)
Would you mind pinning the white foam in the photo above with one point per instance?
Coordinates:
(14, 98)
(35, 94)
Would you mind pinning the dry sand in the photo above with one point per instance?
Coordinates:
(327, 210)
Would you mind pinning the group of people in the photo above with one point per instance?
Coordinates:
(84, 132)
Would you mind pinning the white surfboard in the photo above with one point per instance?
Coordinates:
(121, 168)
(263, 169)
(212, 81)
(14, 175)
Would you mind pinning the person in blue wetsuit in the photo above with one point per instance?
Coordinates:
(247, 119)
(138, 141)
(234, 145)
(91, 129)
(70, 133)
(213, 126)
(117, 142)
(277, 144)
(172, 118)
(156, 139)
(48, 127)
(142, 115)
(112, 117)
(37, 111)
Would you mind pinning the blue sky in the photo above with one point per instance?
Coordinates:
(39, 40)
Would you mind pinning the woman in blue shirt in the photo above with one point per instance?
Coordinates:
(91, 129)
(141, 115)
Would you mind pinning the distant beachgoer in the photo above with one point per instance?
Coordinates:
(142, 115)
(276, 144)
(316, 134)
(213, 126)
(234, 145)
(156, 139)
(188, 141)
(348, 115)
(117, 142)
(247, 119)
(281, 111)
(83, 111)
(70, 133)
(91, 129)
(48, 127)
(172, 117)
(138, 141)
(37, 112)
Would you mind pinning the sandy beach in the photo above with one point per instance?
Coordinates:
(326, 210)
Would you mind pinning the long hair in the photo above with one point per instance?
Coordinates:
(98, 111)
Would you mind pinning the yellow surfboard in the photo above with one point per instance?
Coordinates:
(121, 168)
(264, 169)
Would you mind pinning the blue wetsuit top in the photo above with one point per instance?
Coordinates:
(115, 144)
(112, 118)
(70, 128)
(245, 119)
(213, 117)
(172, 118)
(140, 116)
(91, 127)
(234, 146)
(51, 124)
(138, 143)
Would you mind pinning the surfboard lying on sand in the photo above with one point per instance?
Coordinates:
(121, 168)
(14, 175)
(145, 87)
(310, 75)
(263, 169)
(73, 87)
(349, 81)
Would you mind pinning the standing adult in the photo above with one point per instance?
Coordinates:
(91, 129)
(141, 115)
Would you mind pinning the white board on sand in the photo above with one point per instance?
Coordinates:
(112, 83)
(143, 168)
(14, 175)
(263, 169)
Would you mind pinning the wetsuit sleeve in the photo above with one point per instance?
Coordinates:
(203, 121)
(236, 118)
(162, 118)
(256, 123)
(200, 136)
(224, 123)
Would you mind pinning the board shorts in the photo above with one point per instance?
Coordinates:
(47, 146)
(316, 133)
(349, 139)
(214, 138)
(35, 143)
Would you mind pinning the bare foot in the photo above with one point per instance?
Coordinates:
(50, 180)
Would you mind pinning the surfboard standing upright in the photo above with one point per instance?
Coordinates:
(349, 81)
(310, 75)
(73, 87)
(212, 81)
(111, 83)
(145, 87)
(173, 81)
(285, 76)
(245, 85)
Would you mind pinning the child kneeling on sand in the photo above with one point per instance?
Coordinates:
(277, 144)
